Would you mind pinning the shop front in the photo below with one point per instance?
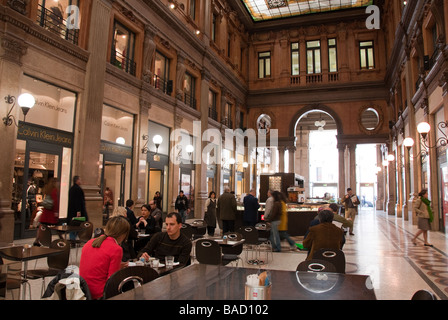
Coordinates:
(43, 151)
(115, 161)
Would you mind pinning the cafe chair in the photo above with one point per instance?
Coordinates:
(43, 235)
(98, 232)
(208, 252)
(55, 263)
(128, 279)
(84, 235)
(232, 253)
(252, 245)
(335, 256)
(424, 295)
(316, 265)
(187, 230)
(199, 229)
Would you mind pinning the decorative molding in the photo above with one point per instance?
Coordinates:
(12, 49)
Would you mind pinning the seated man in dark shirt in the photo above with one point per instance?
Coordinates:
(169, 243)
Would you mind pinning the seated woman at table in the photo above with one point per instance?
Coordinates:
(169, 243)
(101, 257)
(127, 245)
(147, 224)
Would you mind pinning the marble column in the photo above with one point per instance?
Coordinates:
(201, 166)
(341, 169)
(380, 180)
(291, 158)
(11, 52)
(89, 115)
(352, 166)
(281, 159)
(140, 159)
(391, 200)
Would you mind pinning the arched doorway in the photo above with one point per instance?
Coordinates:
(316, 155)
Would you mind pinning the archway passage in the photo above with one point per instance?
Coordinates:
(316, 155)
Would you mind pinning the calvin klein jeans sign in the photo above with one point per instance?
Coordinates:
(31, 132)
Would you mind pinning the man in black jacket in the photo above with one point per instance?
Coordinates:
(181, 205)
(76, 203)
(251, 206)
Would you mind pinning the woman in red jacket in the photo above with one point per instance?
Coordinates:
(49, 216)
(101, 257)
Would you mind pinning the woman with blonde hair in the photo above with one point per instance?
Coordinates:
(422, 208)
(101, 257)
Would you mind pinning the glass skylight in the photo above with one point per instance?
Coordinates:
(262, 10)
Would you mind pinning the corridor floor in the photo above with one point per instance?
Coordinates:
(381, 248)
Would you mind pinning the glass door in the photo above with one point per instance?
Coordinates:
(113, 187)
(35, 164)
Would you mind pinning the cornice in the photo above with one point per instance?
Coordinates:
(19, 21)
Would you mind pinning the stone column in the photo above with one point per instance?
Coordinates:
(380, 180)
(11, 52)
(88, 132)
(352, 166)
(281, 159)
(391, 200)
(201, 167)
(291, 160)
(141, 159)
(341, 173)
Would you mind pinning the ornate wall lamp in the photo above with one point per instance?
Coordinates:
(26, 101)
(423, 129)
(157, 140)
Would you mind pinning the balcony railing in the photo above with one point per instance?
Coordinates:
(227, 122)
(123, 63)
(189, 100)
(212, 114)
(53, 21)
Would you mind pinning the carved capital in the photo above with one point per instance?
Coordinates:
(12, 50)
(18, 5)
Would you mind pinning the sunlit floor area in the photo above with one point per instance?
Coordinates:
(381, 248)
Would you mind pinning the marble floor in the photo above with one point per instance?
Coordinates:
(381, 248)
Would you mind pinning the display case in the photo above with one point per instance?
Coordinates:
(279, 182)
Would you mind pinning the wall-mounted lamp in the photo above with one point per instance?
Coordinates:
(423, 129)
(26, 101)
(157, 140)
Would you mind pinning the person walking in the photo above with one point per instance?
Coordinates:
(76, 204)
(283, 226)
(181, 205)
(226, 210)
(50, 215)
(251, 205)
(210, 213)
(274, 219)
(351, 202)
(423, 210)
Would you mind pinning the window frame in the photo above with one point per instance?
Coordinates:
(295, 51)
(335, 47)
(131, 37)
(365, 49)
(313, 51)
(264, 65)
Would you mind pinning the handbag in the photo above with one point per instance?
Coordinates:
(47, 203)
